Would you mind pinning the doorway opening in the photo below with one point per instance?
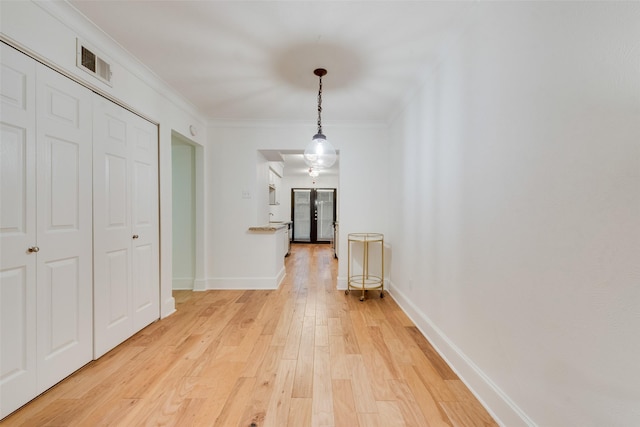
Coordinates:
(296, 176)
(313, 212)
(187, 169)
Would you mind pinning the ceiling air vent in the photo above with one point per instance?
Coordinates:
(90, 62)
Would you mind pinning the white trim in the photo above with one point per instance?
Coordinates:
(86, 29)
(168, 307)
(200, 285)
(246, 283)
(183, 283)
(279, 124)
(82, 82)
(504, 411)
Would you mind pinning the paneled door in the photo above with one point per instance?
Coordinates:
(145, 220)
(18, 381)
(46, 229)
(314, 213)
(126, 235)
(64, 226)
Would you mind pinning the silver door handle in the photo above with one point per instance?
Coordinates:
(34, 249)
(135, 236)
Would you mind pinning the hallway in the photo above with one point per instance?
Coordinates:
(303, 355)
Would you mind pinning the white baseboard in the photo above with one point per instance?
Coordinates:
(168, 307)
(200, 285)
(246, 283)
(341, 284)
(182, 283)
(502, 409)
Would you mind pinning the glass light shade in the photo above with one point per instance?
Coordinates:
(320, 153)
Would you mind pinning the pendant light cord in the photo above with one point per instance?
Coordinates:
(320, 106)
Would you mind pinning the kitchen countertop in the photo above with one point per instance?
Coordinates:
(272, 226)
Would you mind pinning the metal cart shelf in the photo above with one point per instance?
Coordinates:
(365, 281)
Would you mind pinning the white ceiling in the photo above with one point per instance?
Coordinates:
(254, 60)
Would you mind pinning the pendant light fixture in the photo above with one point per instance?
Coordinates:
(320, 153)
(314, 173)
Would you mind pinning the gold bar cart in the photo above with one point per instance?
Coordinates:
(365, 281)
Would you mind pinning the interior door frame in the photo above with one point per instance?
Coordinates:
(199, 282)
(313, 214)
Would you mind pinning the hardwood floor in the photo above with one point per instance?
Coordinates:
(303, 355)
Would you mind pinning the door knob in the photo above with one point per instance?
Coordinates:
(34, 249)
(135, 236)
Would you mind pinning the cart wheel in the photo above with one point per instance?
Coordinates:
(362, 298)
(381, 294)
(346, 292)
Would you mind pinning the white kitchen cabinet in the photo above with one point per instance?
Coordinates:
(126, 235)
(46, 228)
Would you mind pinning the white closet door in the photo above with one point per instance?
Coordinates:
(18, 381)
(64, 226)
(112, 228)
(146, 274)
(46, 229)
(126, 283)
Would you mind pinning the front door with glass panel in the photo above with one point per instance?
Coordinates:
(314, 213)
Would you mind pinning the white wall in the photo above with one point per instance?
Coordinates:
(516, 227)
(235, 168)
(48, 30)
(183, 168)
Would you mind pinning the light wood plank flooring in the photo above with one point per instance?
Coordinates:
(303, 355)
